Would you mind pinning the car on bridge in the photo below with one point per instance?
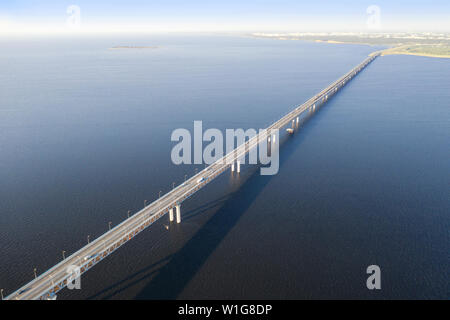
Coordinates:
(199, 180)
(23, 291)
(90, 257)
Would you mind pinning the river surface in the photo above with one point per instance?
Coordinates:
(85, 137)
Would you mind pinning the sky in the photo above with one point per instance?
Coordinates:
(57, 16)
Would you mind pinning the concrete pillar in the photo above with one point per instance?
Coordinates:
(238, 166)
(232, 167)
(273, 139)
(178, 213)
(293, 122)
(171, 214)
(297, 120)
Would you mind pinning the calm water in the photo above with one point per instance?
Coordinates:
(85, 137)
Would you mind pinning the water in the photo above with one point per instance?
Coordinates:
(85, 137)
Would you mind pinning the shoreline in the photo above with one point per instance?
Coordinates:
(414, 54)
(133, 47)
(392, 48)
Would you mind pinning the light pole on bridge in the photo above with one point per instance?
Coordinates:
(145, 203)
(88, 238)
(185, 176)
(1, 293)
(64, 257)
(35, 275)
(128, 213)
(109, 225)
(173, 185)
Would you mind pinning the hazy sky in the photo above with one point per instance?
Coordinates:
(227, 15)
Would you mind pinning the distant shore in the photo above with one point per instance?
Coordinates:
(134, 47)
(419, 50)
(414, 54)
(416, 44)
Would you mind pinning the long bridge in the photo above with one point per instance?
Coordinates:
(46, 285)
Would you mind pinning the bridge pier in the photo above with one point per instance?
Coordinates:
(238, 166)
(171, 214)
(178, 213)
(269, 140)
(232, 167)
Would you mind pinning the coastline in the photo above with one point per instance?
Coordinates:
(404, 50)
(133, 47)
(414, 54)
(398, 47)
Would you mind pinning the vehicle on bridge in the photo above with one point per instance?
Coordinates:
(90, 257)
(201, 179)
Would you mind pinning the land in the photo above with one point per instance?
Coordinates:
(436, 51)
(421, 44)
(134, 47)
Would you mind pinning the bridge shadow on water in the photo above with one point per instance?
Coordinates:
(177, 270)
(142, 274)
(185, 263)
(151, 270)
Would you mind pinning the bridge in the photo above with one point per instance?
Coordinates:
(46, 285)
